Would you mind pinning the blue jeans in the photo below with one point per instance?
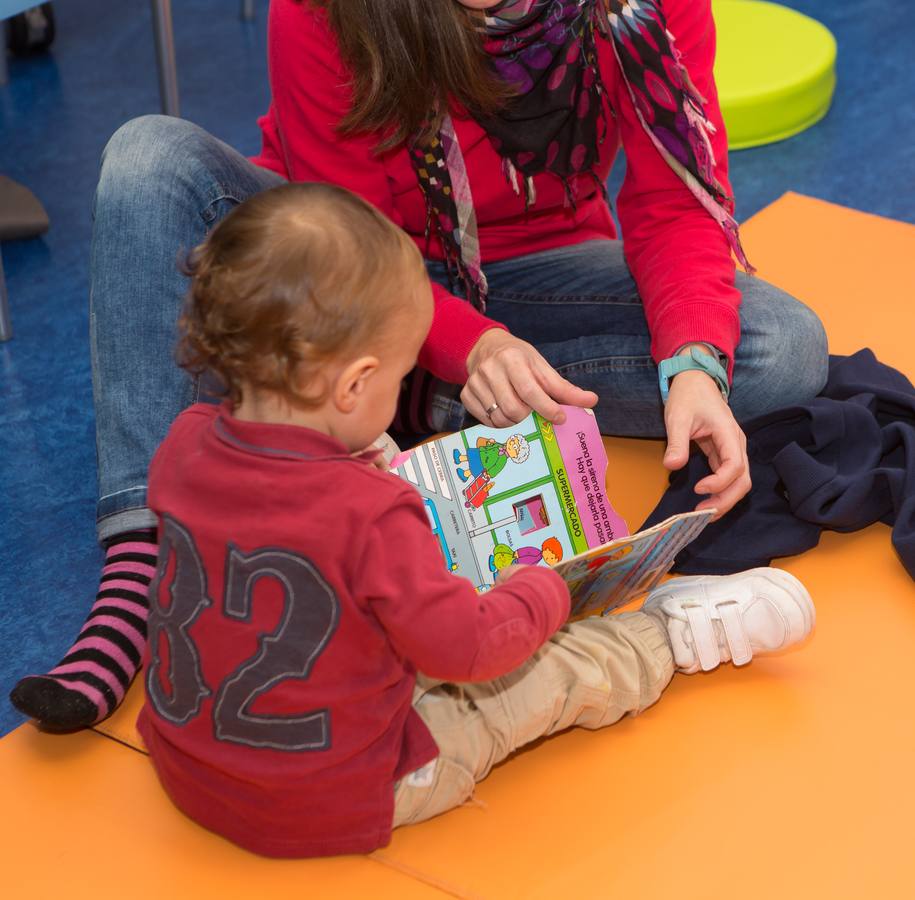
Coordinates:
(581, 308)
(163, 184)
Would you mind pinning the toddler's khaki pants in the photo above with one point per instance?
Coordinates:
(590, 673)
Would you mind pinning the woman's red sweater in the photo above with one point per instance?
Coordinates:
(677, 253)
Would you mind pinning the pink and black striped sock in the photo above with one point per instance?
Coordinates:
(89, 683)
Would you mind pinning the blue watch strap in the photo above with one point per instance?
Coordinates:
(695, 360)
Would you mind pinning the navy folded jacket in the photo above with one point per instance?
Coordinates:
(841, 462)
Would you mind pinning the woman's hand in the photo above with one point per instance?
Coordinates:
(696, 411)
(512, 374)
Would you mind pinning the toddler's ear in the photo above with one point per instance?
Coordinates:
(352, 380)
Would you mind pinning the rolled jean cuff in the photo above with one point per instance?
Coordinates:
(123, 511)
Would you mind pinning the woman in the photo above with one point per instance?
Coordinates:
(495, 123)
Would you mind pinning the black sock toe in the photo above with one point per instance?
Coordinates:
(54, 706)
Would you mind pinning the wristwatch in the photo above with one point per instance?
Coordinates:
(696, 359)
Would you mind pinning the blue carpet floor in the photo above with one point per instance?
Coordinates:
(55, 117)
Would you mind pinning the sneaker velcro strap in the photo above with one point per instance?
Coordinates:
(704, 639)
(729, 613)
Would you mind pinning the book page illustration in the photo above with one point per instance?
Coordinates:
(600, 580)
(529, 494)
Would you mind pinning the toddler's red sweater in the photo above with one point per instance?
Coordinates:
(300, 591)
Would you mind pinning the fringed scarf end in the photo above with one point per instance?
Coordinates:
(570, 194)
(601, 186)
(732, 231)
(511, 174)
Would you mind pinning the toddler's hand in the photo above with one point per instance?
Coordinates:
(507, 572)
(382, 451)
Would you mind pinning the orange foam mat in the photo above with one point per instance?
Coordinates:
(84, 818)
(855, 269)
(791, 777)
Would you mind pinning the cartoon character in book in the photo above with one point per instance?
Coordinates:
(610, 579)
(550, 552)
(490, 457)
(502, 556)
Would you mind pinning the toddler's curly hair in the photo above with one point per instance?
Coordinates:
(289, 280)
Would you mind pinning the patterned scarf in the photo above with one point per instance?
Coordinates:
(547, 49)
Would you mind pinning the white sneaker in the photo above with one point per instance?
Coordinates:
(716, 618)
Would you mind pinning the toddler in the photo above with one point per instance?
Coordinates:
(299, 590)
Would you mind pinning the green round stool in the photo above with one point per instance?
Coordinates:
(775, 70)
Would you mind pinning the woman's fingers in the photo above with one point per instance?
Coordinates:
(724, 500)
(731, 479)
(696, 411)
(508, 384)
(473, 404)
(531, 393)
(679, 425)
(730, 466)
(489, 385)
(562, 390)
(480, 396)
(518, 379)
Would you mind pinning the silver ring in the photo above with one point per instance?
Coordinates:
(491, 409)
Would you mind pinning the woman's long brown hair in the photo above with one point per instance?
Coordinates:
(410, 59)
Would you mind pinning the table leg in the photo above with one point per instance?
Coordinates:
(6, 328)
(165, 56)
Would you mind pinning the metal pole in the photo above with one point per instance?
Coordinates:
(247, 10)
(165, 56)
(492, 526)
(6, 328)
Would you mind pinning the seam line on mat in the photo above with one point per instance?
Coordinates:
(120, 741)
(418, 875)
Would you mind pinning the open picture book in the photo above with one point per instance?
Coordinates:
(536, 494)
